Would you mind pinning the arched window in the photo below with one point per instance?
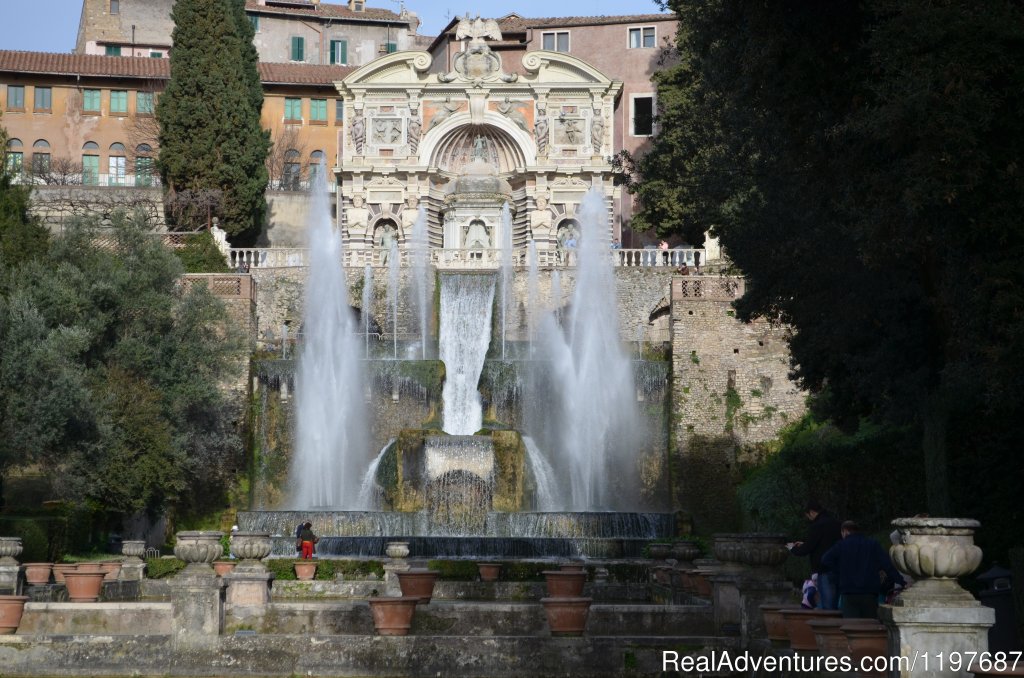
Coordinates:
(41, 158)
(316, 158)
(116, 164)
(143, 149)
(90, 163)
(14, 160)
(90, 146)
(291, 177)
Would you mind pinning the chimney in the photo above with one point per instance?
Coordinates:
(356, 5)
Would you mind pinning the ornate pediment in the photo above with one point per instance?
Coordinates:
(476, 63)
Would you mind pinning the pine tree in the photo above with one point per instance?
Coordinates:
(210, 134)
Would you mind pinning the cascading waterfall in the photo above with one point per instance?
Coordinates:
(368, 488)
(543, 476)
(331, 429)
(366, 301)
(556, 296)
(506, 272)
(394, 285)
(420, 276)
(587, 425)
(465, 333)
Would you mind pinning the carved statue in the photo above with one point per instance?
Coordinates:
(358, 132)
(356, 215)
(415, 129)
(477, 236)
(540, 218)
(387, 131)
(512, 113)
(477, 29)
(540, 131)
(410, 214)
(597, 132)
(446, 111)
(480, 148)
(385, 237)
(573, 133)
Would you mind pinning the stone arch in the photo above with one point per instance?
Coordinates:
(515, 147)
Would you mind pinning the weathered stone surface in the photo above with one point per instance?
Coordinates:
(137, 619)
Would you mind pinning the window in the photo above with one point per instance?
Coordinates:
(43, 99)
(390, 47)
(14, 159)
(143, 165)
(293, 109)
(116, 164)
(254, 19)
(112, 50)
(316, 158)
(91, 101)
(318, 111)
(41, 157)
(15, 97)
(643, 116)
(339, 111)
(119, 101)
(641, 37)
(555, 41)
(292, 171)
(357, 5)
(298, 52)
(144, 103)
(115, 6)
(156, 55)
(339, 52)
(90, 163)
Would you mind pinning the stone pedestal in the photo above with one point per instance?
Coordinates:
(725, 599)
(198, 608)
(754, 592)
(10, 582)
(929, 631)
(132, 569)
(248, 588)
(391, 568)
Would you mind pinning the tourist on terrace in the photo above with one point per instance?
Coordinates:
(822, 534)
(683, 270)
(855, 562)
(307, 540)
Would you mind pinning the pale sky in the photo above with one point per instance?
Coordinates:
(51, 25)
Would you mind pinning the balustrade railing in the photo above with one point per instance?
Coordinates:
(285, 257)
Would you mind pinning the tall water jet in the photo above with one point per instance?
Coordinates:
(331, 429)
(506, 272)
(587, 425)
(465, 333)
(365, 302)
(420, 276)
(394, 288)
(532, 289)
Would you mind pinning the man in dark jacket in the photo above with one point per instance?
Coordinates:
(859, 562)
(823, 533)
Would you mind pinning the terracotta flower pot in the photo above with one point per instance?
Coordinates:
(223, 567)
(83, 587)
(571, 567)
(701, 583)
(110, 570)
(60, 568)
(774, 624)
(305, 570)
(801, 637)
(867, 639)
(489, 571)
(37, 573)
(393, 616)
(566, 616)
(829, 637)
(89, 567)
(418, 583)
(659, 551)
(563, 584)
(11, 608)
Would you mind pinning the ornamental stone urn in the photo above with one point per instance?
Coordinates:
(133, 548)
(199, 549)
(10, 548)
(251, 548)
(397, 549)
(133, 568)
(934, 552)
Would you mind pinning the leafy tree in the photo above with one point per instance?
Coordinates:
(200, 255)
(860, 163)
(22, 237)
(210, 134)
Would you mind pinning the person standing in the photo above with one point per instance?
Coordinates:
(307, 540)
(822, 534)
(858, 563)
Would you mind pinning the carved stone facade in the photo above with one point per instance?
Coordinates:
(462, 143)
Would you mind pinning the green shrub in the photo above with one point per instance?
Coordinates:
(159, 568)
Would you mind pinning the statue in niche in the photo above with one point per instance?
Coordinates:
(356, 215)
(597, 132)
(572, 130)
(568, 240)
(540, 218)
(446, 112)
(479, 148)
(415, 129)
(477, 236)
(540, 131)
(512, 112)
(358, 132)
(385, 237)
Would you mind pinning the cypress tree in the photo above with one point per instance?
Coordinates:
(211, 141)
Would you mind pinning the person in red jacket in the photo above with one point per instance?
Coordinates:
(307, 540)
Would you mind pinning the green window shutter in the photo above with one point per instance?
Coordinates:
(298, 48)
(339, 52)
(318, 110)
(113, 50)
(91, 100)
(392, 47)
(43, 98)
(118, 101)
(144, 103)
(90, 169)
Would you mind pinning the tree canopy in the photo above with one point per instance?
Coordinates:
(210, 133)
(860, 163)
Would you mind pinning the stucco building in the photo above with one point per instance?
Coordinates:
(297, 31)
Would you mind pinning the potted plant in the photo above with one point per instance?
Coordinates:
(11, 609)
(659, 550)
(37, 574)
(60, 568)
(489, 571)
(83, 587)
(565, 584)
(393, 616)
(111, 570)
(223, 567)
(801, 636)
(566, 616)
(866, 638)
(418, 583)
(305, 570)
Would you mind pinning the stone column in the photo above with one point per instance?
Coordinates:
(196, 590)
(750, 578)
(10, 582)
(935, 615)
(132, 567)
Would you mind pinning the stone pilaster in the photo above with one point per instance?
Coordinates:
(198, 608)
